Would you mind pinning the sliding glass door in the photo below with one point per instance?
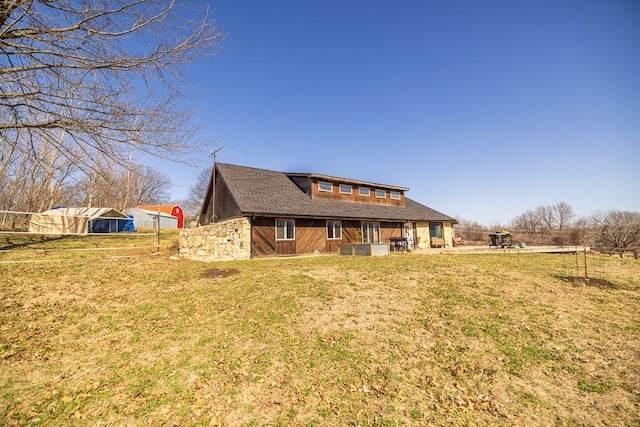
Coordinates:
(370, 232)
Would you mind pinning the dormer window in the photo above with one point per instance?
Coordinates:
(381, 194)
(346, 189)
(325, 186)
(395, 195)
(364, 191)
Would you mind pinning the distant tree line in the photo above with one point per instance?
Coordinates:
(43, 177)
(557, 224)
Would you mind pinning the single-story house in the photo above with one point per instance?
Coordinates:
(143, 218)
(303, 213)
(79, 221)
(173, 210)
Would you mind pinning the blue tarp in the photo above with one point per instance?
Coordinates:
(111, 225)
(129, 225)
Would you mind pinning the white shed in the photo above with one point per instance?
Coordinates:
(78, 221)
(143, 218)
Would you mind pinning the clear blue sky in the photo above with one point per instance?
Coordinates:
(484, 109)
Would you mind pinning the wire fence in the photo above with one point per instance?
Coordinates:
(568, 237)
(600, 269)
(58, 233)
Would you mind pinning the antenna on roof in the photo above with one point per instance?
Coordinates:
(214, 153)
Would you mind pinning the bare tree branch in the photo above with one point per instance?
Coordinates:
(104, 73)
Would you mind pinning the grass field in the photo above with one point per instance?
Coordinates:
(502, 339)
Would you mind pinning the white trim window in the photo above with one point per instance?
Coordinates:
(334, 230)
(395, 195)
(325, 186)
(381, 194)
(346, 189)
(285, 229)
(364, 191)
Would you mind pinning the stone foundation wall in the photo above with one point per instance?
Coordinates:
(424, 240)
(447, 233)
(422, 235)
(223, 241)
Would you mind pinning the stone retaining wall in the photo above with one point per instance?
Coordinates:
(223, 241)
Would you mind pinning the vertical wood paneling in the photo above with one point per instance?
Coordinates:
(389, 230)
(351, 232)
(263, 237)
(286, 247)
(311, 236)
(332, 246)
(226, 207)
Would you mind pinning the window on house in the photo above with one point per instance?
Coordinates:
(370, 232)
(346, 189)
(381, 194)
(334, 230)
(364, 191)
(325, 186)
(395, 195)
(285, 229)
(435, 230)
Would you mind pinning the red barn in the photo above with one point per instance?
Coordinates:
(174, 210)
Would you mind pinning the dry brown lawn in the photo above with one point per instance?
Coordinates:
(387, 341)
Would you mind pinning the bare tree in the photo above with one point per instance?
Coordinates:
(471, 231)
(584, 232)
(545, 223)
(547, 219)
(529, 222)
(98, 76)
(563, 214)
(36, 179)
(620, 230)
(148, 187)
(587, 230)
(197, 192)
(124, 187)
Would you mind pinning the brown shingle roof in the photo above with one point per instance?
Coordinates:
(266, 192)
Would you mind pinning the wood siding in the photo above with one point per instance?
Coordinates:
(351, 232)
(263, 237)
(285, 247)
(336, 196)
(389, 230)
(225, 205)
(310, 236)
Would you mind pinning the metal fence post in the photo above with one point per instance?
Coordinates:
(158, 233)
